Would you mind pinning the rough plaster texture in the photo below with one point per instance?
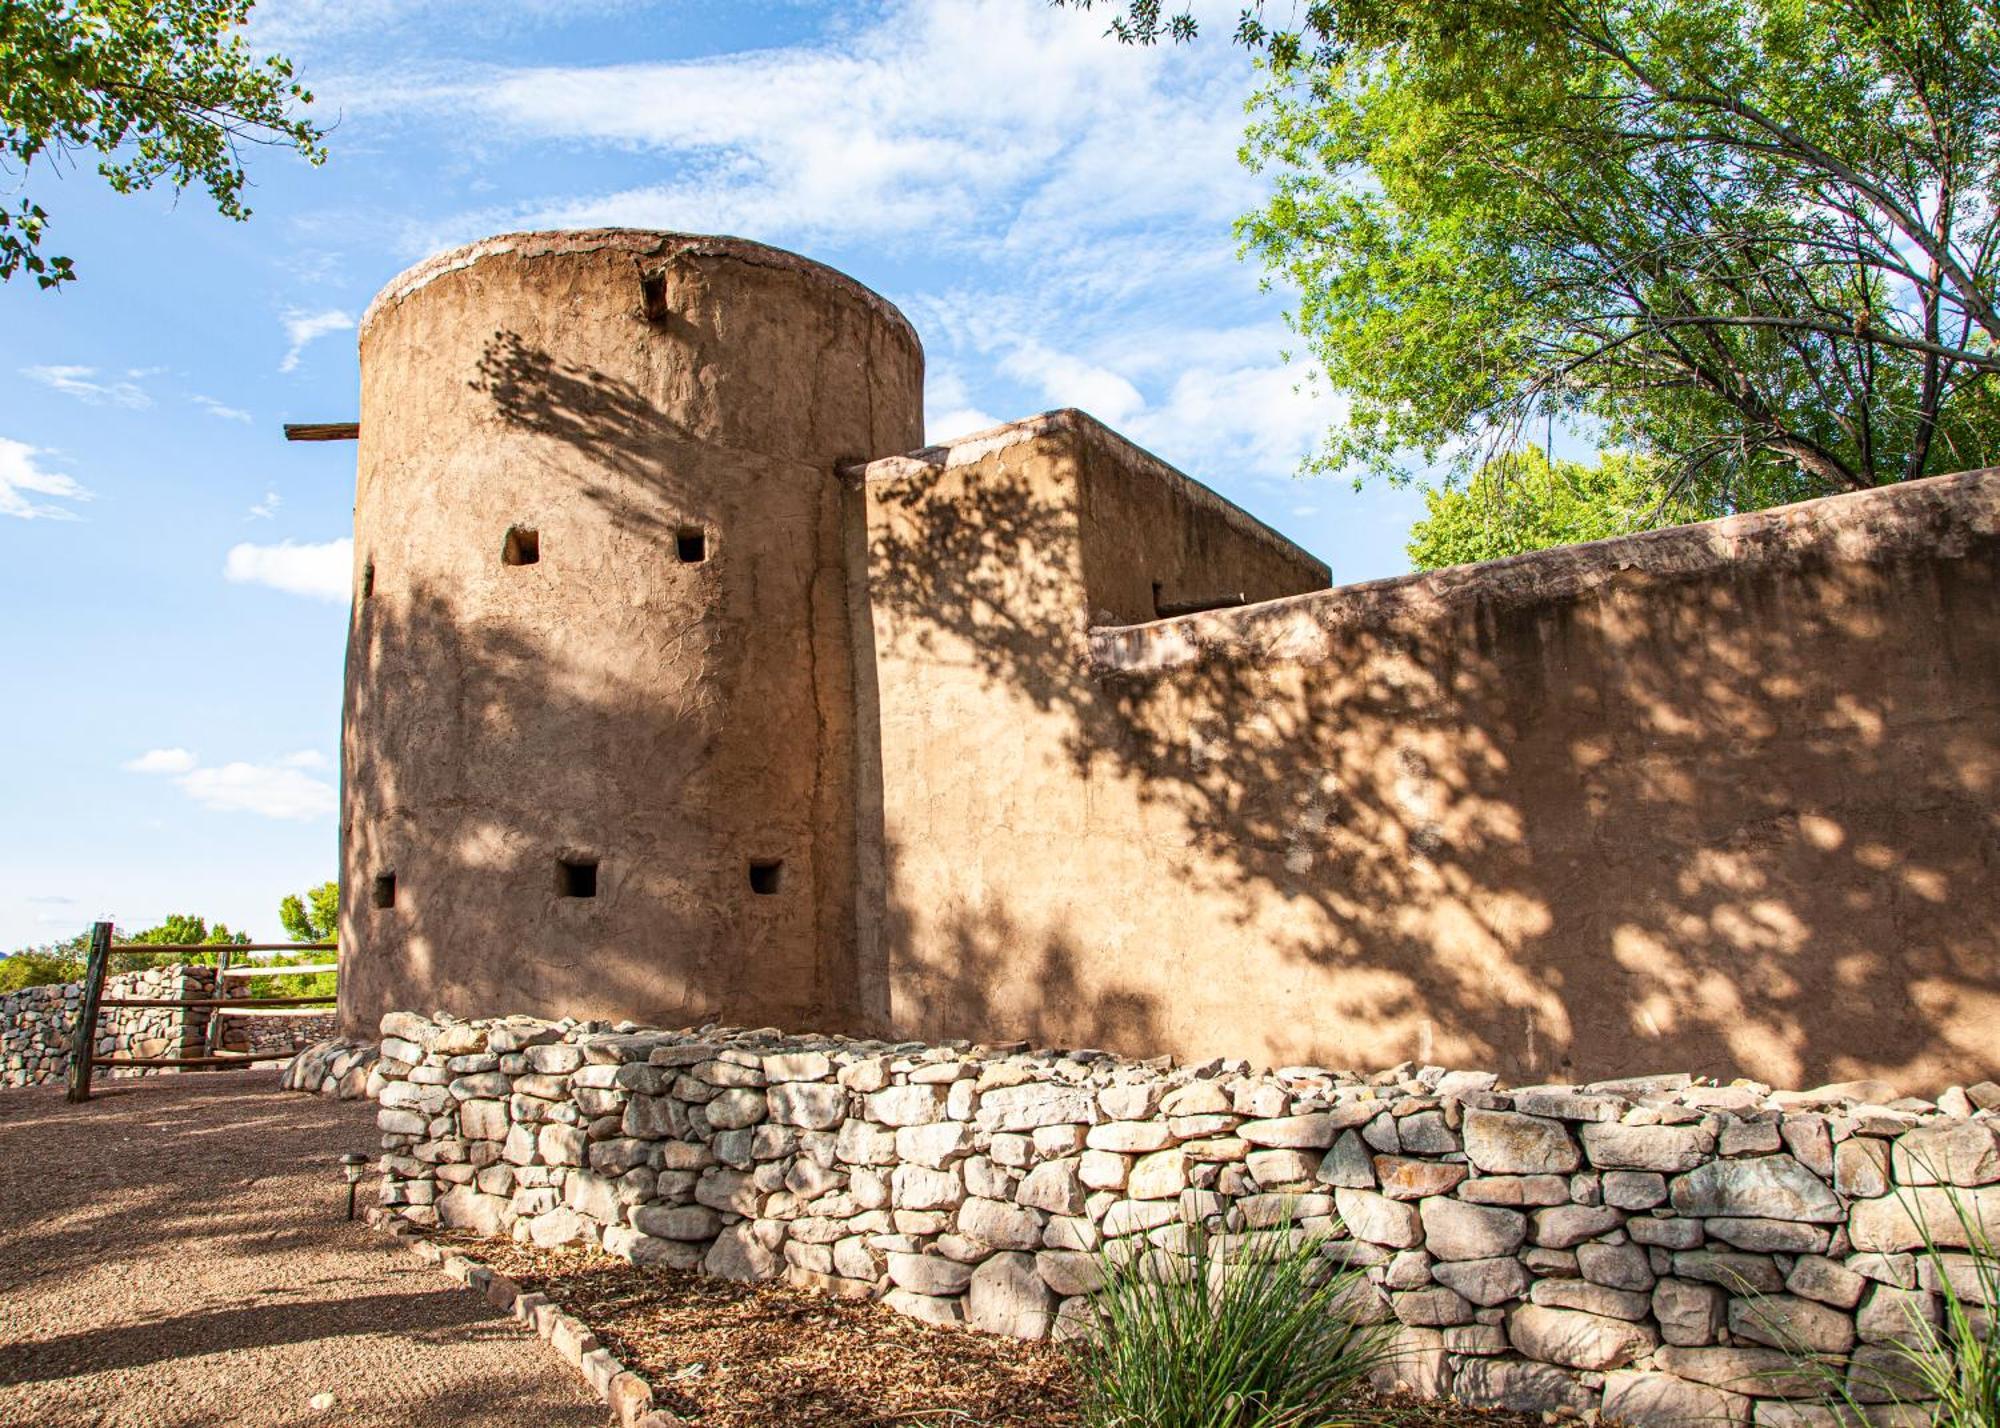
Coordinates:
(611, 391)
(1717, 798)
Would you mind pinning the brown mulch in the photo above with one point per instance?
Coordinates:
(727, 1355)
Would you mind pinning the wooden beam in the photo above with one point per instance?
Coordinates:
(258, 970)
(243, 1060)
(83, 1040)
(322, 430)
(168, 949)
(218, 1001)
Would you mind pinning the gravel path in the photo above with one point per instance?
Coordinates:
(175, 1254)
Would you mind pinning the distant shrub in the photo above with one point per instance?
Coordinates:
(37, 969)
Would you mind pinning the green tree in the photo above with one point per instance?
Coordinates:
(1753, 239)
(162, 90)
(1521, 503)
(42, 966)
(313, 918)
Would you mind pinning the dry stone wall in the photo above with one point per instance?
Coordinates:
(36, 1023)
(1643, 1248)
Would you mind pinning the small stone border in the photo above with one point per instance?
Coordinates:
(629, 1396)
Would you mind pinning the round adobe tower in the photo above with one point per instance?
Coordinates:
(597, 734)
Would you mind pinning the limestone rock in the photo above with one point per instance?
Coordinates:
(1660, 1400)
(1007, 1295)
(1577, 1340)
(1456, 1230)
(1507, 1143)
(1773, 1187)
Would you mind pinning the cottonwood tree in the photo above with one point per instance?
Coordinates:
(1755, 239)
(313, 918)
(165, 91)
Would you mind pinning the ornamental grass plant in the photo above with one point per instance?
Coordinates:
(1216, 1330)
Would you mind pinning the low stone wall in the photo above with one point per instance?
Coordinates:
(1640, 1248)
(36, 1023)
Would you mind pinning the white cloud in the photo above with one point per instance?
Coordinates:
(268, 507)
(278, 789)
(218, 409)
(273, 790)
(78, 382)
(302, 327)
(324, 571)
(161, 761)
(22, 479)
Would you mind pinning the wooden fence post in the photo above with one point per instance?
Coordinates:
(83, 1041)
(211, 1040)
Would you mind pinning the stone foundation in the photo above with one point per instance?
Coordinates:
(1640, 1248)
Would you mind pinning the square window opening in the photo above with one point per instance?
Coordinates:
(766, 876)
(691, 544)
(523, 546)
(384, 891)
(576, 877)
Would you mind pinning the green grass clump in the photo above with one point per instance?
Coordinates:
(1225, 1331)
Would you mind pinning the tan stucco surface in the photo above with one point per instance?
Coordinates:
(674, 721)
(1716, 799)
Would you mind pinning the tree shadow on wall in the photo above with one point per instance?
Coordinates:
(1678, 820)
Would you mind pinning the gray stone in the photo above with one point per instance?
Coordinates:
(677, 1222)
(1053, 1186)
(929, 1274)
(1129, 1137)
(1378, 1219)
(1348, 1164)
(592, 1196)
(1577, 1340)
(1591, 1298)
(1963, 1153)
(1038, 1103)
(1618, 1266)
(730, 1190)
(1432, 1308)
(1521, 1191)
(1005, 1226)
(736, 1108)
(1008, 1296)
(464, 1208)
(1561, 1226)
(1483, 1281)
(1660, 1400)
(1825, 1280)
(1456, 1230)
(1769, 1236)
(1663, 1148)
(917, 1187)
(1521, 1387)
(811, 1104)
(1634, 1189)
(738, 1254)
(1898, 1315)
(1505, 1143)
(1737, 1273)
(1306, 1132)
(1783, 1321)
(1861, 1168)
(1771, 1187)
(1760, 1373)
(860, 1143)
(1070, 1272)
(942, 1312)
(1891, 1224)
(1666, 1233)
(906, 1106)
(1689, 1314)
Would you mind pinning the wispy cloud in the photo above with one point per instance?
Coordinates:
(219, 409)
(323, 571)
(303, 328)
(279, 788)
(83, 384)
(161, 761)
(268, 507)
(23, 478)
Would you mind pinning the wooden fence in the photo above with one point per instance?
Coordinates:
(83, 1057)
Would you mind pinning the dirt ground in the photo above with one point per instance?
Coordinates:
(175, 1254)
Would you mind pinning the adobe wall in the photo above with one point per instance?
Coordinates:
(1718, 798)
(665, 693)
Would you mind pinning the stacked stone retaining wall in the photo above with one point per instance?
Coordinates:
(1644, 1248)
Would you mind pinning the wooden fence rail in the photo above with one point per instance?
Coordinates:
(83, 1057)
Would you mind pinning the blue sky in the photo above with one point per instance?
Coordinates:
(1051, 210)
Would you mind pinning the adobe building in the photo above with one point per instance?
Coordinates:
(685, 682)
